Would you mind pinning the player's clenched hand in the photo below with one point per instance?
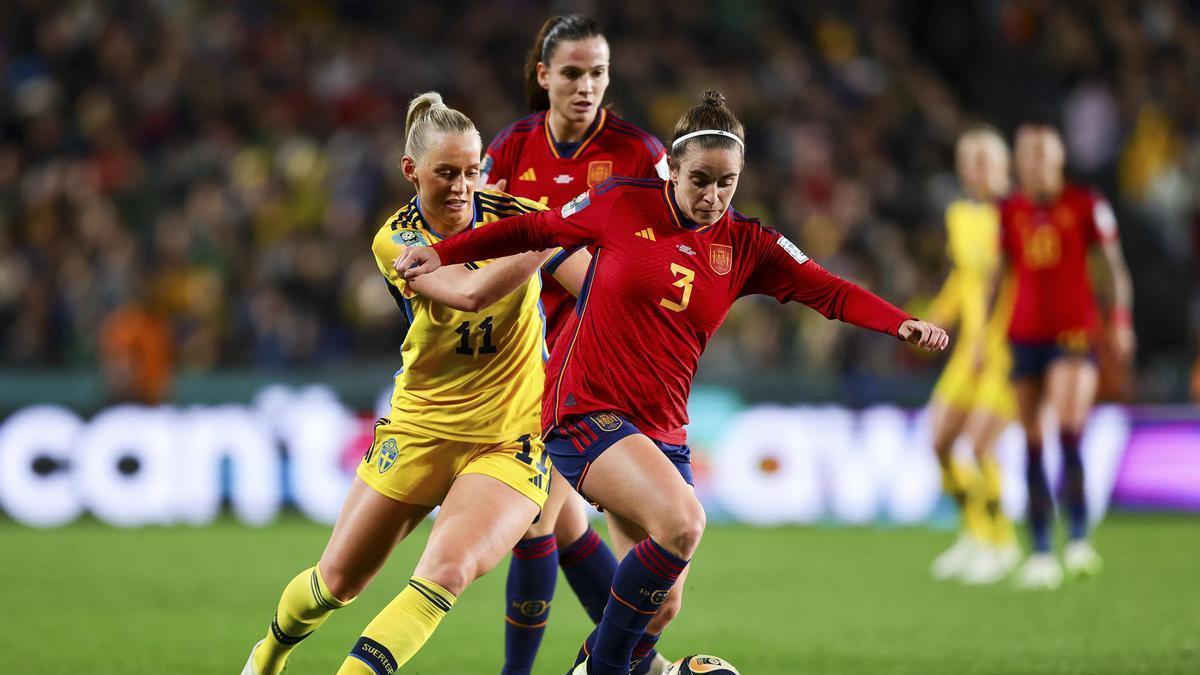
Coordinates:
(924, 335)
(415, 261)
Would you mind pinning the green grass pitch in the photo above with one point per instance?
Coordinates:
(179, 600)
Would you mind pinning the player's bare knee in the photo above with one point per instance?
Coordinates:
(541, 528)
(682, 533)
(454, 575)
(342, 585)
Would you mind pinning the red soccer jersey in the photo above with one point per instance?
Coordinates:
(659, 286)
(524, 153)
(1047, 246)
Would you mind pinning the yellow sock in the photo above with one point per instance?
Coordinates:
(400, 630)
(305, 604)
(963, 484)
(1003, 532)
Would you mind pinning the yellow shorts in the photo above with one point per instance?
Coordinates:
(419, 469)
(960, 387)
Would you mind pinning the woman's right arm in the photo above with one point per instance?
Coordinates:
(575, 224)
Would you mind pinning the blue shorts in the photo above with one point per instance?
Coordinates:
(575, 445)
(1033, 359)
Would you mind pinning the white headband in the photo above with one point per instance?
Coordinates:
(707, 132)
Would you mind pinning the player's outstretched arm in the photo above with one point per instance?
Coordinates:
(461, 288)
(572, 271)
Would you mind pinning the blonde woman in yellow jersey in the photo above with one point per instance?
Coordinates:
(463, 432)
(974, 398)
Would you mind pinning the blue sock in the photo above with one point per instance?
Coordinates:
(1074, 493)
(639, 588)
(589, 566)
(531, 578)
(1041, 506)
(643, 654)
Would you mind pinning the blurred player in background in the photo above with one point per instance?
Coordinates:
(1048, 229)
(974, 397)
(569, 143)
(671, 258)
(463, 430)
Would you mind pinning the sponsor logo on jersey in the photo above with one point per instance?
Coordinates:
(720, 257)
(409, 238)
(387, 455)
(788, 246)
(599, 171)
(563, 178)
(576, 205)
(606, 421)
(685, 249)
(570, 402)
(529, 175)
(647, 233)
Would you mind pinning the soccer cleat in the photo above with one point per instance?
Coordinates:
(951, 563)
(1041, 571)
(658, 665)
(248, 669)
(1081, 560)
(580, 669)
(991, 565)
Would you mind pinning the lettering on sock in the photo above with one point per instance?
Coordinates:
(374, 655)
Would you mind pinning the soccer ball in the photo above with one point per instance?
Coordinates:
(701, 664)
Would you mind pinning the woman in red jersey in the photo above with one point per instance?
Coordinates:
(569, 143)
(1048, 228)
(670, 258)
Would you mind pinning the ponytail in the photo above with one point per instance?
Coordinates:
(428, 114)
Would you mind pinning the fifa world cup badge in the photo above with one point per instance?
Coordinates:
(387, 455)
(720, 257)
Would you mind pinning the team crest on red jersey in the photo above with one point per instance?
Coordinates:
(599, 171)
(720, 257)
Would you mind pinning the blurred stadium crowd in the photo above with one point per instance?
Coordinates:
(197, 183)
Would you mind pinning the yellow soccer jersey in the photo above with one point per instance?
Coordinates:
(467, 376)
(973, 233)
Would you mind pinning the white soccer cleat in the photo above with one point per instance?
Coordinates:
(1081, 560)
(248, 669)
(991, 565)
(658, 665)
(580, 669)
(1041, 571)
(951, 563)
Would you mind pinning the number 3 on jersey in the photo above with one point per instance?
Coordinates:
(686, 277)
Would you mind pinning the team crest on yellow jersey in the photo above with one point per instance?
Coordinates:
(599, 171)
(387, 455)
(607, 421)
(720, 257)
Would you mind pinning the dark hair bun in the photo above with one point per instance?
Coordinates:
(713, 98)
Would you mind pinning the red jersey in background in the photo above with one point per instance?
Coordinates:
(658, 288)
(1047, 246)
(536, 167)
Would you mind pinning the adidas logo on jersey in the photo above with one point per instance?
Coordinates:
(647, 233)
(528, 175)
